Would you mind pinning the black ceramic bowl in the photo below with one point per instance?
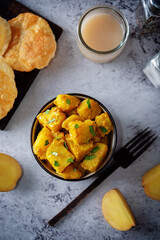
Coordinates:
(111, 148)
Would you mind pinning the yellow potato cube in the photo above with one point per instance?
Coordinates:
(71, 172)
(69, 119)
(58, 156)
(105, 139)
(66, 102)
(79, 150)
(52, 119)
(78, 165)
(58, 135)
(42, 143)
(82, 132)
(89, 109)
(104, 123)
(73, 112)
(97, 138)
(92, 161)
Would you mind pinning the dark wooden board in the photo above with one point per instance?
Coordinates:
(8, 10)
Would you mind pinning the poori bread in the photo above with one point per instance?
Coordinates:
(32, 44)
(5, 35)
(8, 90)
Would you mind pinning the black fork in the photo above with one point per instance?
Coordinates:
(124, 157)
(134, 148)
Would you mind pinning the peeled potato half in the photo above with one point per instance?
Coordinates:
(116, 211)
(151, 183)
(10, 173)
(8, 90)
(5, 35)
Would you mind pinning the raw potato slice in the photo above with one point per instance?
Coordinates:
(116, 211)
(5, 35)
(8, 90)
(151, 183)
(10, 173)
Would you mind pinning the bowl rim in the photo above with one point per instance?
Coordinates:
(99, 171)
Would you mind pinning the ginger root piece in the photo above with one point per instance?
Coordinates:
(151, 183)
(116, 211)
(10, 173)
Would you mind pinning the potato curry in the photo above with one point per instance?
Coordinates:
(74, 136)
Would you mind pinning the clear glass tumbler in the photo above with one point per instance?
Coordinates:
(102, 56)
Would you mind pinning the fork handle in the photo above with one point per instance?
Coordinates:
(110, 169)
(123, 157)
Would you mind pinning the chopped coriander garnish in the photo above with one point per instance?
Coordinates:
(54, 153)
(70, 160)
(52, 120)
(103, 129)
(94, 150)
(91, 129)
(65, 144)
(57, 137)
(76, 126)
(56, 164)
(47, 111)
(68, 101)
(46, 142)
(74, 169)
(88, 103)
(89, 157)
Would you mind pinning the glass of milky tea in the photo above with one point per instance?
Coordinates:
(102, 33)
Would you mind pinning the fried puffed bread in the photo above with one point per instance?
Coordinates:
(32, 44)
(8, 90)
(5, 35)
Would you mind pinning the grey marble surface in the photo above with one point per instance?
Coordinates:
(135, 104)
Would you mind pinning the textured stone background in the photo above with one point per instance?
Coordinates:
(134, 102)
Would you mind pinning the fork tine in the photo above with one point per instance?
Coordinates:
(141, 143)
(144, 148)
(135, 138)
(139, 139)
